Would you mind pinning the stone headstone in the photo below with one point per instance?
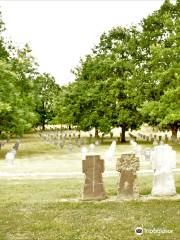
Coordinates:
(147, 154)
(10, 156)
(61, 144)
(127, 166)
(93, 167)
(97, 142)
(110, 153)
(160, 138)
(155, 142)
(166, 138)
(78, 143)
(163, 161)
(91, 148)
(84, 151)
(70, 146)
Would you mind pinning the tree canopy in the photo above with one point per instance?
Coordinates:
(131, 76)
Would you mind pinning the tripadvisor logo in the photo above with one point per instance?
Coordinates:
(139, 231)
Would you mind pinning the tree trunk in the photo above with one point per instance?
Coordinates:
(96, 133)
(122, 135)
(174, 130)
(43, 125)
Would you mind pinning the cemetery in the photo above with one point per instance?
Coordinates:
(97, 158)
(83, 181)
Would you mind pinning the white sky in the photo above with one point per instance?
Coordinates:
(61, 32)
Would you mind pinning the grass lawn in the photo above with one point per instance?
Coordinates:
(51, 209)
(34, 209)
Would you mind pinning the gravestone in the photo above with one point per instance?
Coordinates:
(84, 151)
(166, 138)
(110, 153)
(78, 143)
(10, 156)
(163, 161)
(16, 145)
(97, 142)
(61, 143)
(93, 167)
(155, 142)
(127, 166)
(147, 138)
(70, 146)
(91, 148)
(147, 154)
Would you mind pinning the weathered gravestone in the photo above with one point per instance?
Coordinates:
(163, 162)
(61, 143)
(70, 146)
(166, 138)
(110, 153)
(10, 156)
(16, 145)
(127, 165)
(147, 154)
(93, 167)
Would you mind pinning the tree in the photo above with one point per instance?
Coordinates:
(45, 93)
(16, 103)
(104, 83)
(161, 64)
(3, 51)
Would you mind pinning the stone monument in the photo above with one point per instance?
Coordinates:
(127, 165)
(10, 156)
(110, 153)
(93, 167)
(163, 161)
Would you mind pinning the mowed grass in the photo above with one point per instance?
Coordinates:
(39, 209)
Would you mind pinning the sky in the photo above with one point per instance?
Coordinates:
(61, 32)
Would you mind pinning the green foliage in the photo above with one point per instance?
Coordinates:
(130, 77)
(20, 101)
(45, 92)
(103, 80)
(160, 43)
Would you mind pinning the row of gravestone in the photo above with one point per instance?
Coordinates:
(155, 138)
(164, 160)
(64, 139)
(11, 154)
(148, 138)
(54, 135)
